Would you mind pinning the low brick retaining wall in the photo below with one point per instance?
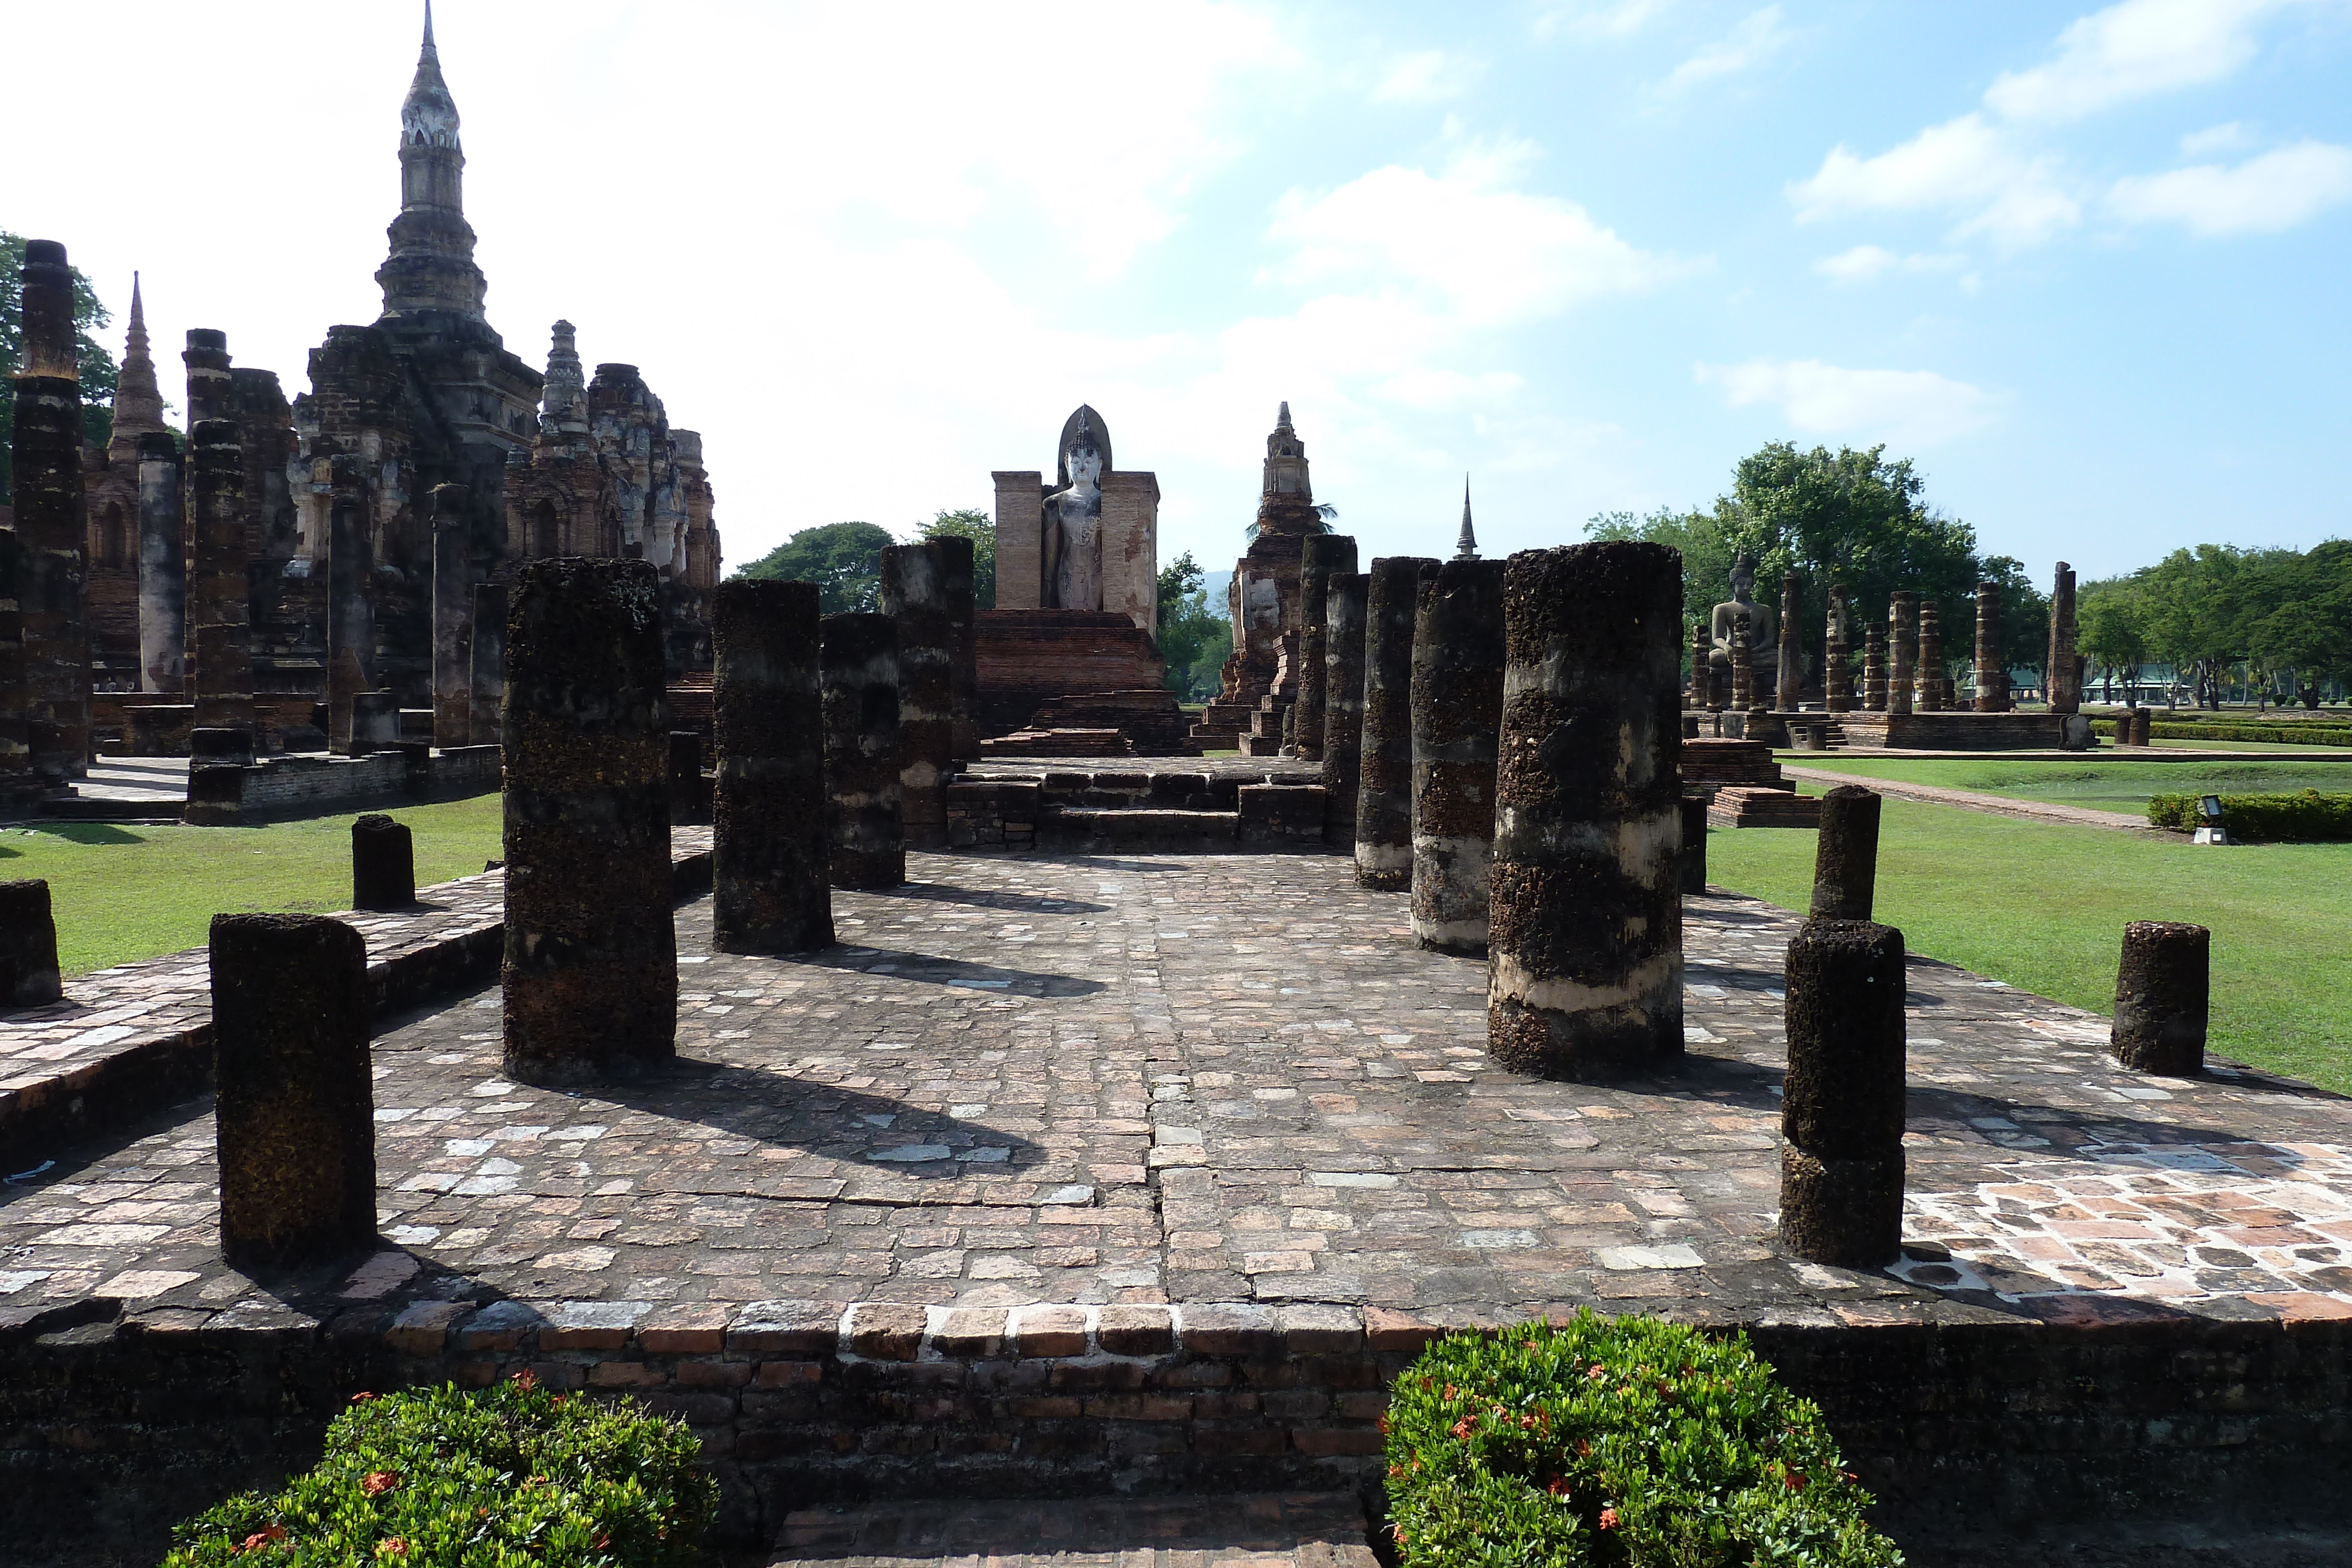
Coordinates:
(113, 1425)
(310, 785)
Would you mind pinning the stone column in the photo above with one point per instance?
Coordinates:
(689, 790)
(293, 1106)
(1692, 866)
(770, 871)
(858, 657)
(28, 946)
(1384, 787)
(590, 966)
(963, 645)
(1845, 858)
(350, 609)
(1993, 675)
(1931, 657)
(1344, 594)
(1585, 960)
(1837, 673)
(1743, 674)
(50, 534)
(15, 701)
(1873, 668)
(1702, 677)
(1789, 680)
(224, 672)
(222, 679)
(2142, 721)
(453, 618)
(2162, 991)
(1902, 651)
(1457, 713)
(486, 659)
(1842, 1103)
(914, 593)
(2063, 676)
(384, 863)
(162, 568)
(1320, 556)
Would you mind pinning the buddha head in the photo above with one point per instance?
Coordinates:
(1743, 577)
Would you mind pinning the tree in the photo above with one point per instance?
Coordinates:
(2025, 617)
(844, 559)
(980, 530)
(97, 366)
(2108, 632)
(1194, 641)
(1706, 549)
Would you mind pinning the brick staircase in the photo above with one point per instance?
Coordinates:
(1134, 810)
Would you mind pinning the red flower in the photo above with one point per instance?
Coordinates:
(1795, 1478)
(362, 1398)
(1608, 1519)
(1397, 1531)
(525, 1380)
(376, 1481)
(391, 1546)
(1598, 1373)
(1558, 1486)
(602, 1543)
(1463, 1428)
(263, 1537)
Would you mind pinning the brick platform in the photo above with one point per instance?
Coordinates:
(1130, 1173)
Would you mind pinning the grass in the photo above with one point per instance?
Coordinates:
(2101, 786)
(121, 894)
(2042, 906)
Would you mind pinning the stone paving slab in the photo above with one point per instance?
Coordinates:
(1262, 1530)
(139, 1035)
(1090, 1084)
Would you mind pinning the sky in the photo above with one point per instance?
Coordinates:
(2090, 268)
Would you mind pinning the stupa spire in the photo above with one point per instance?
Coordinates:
(431, 268)
(1467, 546)
(137, 401)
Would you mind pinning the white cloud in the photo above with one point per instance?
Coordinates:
(2009, 194)
(1426, 75)
(1598, 18)
(1463, 242)
(1907, 407)
(1756, 39)
(1866, 262)
(2276, 191)
(2132, 50)
(2234, 137)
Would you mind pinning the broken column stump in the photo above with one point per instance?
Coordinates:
(2143, 722)
(1457, 710)
(28, 946)
(1584, 938)
(1343, 703)
(1321, 556)
(1384, 767)
(1842, 1105)
(2163, 991)
(771, 874)
(1845, 860)
(293, 1108)
(857, 658)
(915, 595)
(1693, 864)
(374, 722)
(590, 963)
(384, 863)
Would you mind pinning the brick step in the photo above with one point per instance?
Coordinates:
(1738, 806)
(1058, 743)
(1273, 1530)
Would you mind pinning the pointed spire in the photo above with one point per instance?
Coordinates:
(1282, 420)
(138, 402)
(429, 26)
(1467, 546)
(428, 116)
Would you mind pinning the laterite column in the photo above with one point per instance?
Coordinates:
(1837, 651)
(1321, 556)
(963, 645)
(1931, 657)
(2163, 991)
(46, 451)
(857, 658)
(1993, 675)
(1873, 668)
(1788, 678)
(1693, 863)
(2063, 676)
(1384, 790)
(224, 680)
(351, 607)
(162, 567)
(1457, 712)
(1903, 648)
(1343, 703)
(1702, 675)
(1845, 860)
(453, 618)
(770, 882)
(1585, 943)
(486, 662)
(1842, 1104)
(293, 1108)
(28, 946)
(591, 966)
(384, 863)
(914, 594)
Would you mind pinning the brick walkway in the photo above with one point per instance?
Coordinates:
(1093, 1081)
(1314, 1529)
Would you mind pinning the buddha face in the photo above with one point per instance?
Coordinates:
(1086, 465)
(1743, 580)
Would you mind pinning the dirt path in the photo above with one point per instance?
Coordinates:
(1969, 800)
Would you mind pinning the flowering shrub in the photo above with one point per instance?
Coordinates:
(513, 1476)
(1615, 1440)
(2304, 817)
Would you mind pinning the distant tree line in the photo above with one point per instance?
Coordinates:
(1194, 638)
(2268, 620)
(845, 559)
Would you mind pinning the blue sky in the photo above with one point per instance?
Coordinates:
(2091, 268)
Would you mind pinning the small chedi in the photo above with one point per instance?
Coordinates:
(1261, 678)
(1069, 646)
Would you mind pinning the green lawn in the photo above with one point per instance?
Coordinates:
(2043, 907)
(2104, 786)
(121, 894)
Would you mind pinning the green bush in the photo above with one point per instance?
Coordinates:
(2297, 733)
(2305, 817)
(1615, 1440)
(513, 1476)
